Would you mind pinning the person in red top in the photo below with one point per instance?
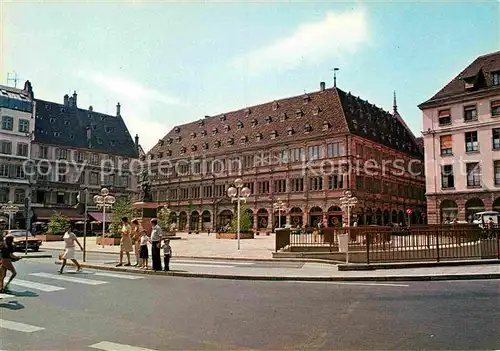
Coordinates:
(7, 254)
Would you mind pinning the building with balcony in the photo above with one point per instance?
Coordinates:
(462, 143)
(305, 150)
(16, 113)
(74, 149)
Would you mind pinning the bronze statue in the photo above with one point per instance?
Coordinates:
(145, 194)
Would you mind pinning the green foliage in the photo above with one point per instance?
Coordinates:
(245, 221)
(164, 220)
(58, 224)
(121, 208)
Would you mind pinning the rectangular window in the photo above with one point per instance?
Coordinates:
(20, 171)
(81, 178)
(94, 178)
(7, 123)
(495, 108)
(4, 195)
(444, 117)
(24, 126)
(496, 138)
(22, 149)
(447, 177)
(207, 191)
(263, 187)
(496, 172)
(335, 150)
(195, 192)
(446, 145)
(249, 186)
(220, 190)
(248, 161)
(62, 154)
(316, 183)
(336, 181)
(284, 156)
(496, 78)
(473, 174)
(125, 181)
(43, 152)
(471, 142)
(296, 155)
(280, 186)
(184, 193)
(19, 196)
(359, 182)
(6, 147)
(315, 152)
(4, 170)
(94, 159)
(470, 113)
(172, 194)
(80, 156)
(60, 198)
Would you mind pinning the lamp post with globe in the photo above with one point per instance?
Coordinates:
(10, 209)
(104, 199)
(347, 202)
(238, 193)
(279, 206)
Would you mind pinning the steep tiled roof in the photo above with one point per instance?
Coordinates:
(323, 113)
(477, 73)
(64, 125)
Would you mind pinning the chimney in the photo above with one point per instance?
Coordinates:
(118, 108)
(29, 89)
(74, 99)
(322, 86)
(66, 100)
(91, 108)
(137, 142)
(71, 102)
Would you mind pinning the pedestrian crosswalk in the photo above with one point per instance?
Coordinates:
(68, 278)
(20, 327)
(111, 346)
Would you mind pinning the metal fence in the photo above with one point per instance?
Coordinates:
(386, 244)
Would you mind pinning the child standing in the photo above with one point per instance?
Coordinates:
(143, 252)
(167, 253)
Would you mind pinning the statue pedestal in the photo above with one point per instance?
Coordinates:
(145, 211)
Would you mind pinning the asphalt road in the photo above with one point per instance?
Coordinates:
(114, 311)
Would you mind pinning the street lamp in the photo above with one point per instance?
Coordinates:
(104, 200)
(10, 208)
(238, 193)
(279, 206)
(347, 202)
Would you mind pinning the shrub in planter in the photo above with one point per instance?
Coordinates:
(58, 224)
(245, 221)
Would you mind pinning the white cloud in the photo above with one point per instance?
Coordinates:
(128, 89)
(338, 34)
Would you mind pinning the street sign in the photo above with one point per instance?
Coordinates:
(409, 211)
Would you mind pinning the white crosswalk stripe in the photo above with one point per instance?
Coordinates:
(111, 346)
(117, 275)
(69, 278)
(4, 296)
(21, 327)
(36, 286)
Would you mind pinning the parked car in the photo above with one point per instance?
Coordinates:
(19, 235)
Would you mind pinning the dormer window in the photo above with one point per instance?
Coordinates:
(194, 147)
(495, 78)
(239, 124)
(193, 135)
(268, 119)
(169, 141)
(151, 157)
(169, 152)
(178, 139)
(258, 136)
(203, 133)
(365, 130)
(243, 139)
(205, 146)
(316, 111)
(290, 131)
(275, 106)
(274, 134)
(326, 125)
(214, 131)
(160, 155)
(183, 150)
(227, 128)
(160, 142)
(217, 143)
(299, 113)
(254, 122)
(305, 99)
(177, 129)
(355, 124)
(283, 117)
(222, 118)
(308, 128)
(247, 112)
(230, 140)
(201, 123)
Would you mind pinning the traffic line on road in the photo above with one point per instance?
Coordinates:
(111, 346)
(116, 275)
(347, 283)
(21, 327)
(69, 279)
(36, 286)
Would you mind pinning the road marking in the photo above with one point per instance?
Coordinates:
(5, 296)
(69, 279)
(37, 286)
(21, 327)
(116, 275)
(111, 346)
(346, 283)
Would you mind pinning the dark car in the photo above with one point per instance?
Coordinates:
(19, 235)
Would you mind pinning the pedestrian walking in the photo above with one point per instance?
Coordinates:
(69, 249)
(167, 254)
(136, 241)
(7, 254)
(125, 242)
(144, 255)
(155, 244)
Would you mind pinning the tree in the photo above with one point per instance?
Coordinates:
(58, 224)
(245, 221)
(164, 218)
(121, 208)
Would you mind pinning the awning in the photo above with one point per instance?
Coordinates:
(46, 213)
(98, 216)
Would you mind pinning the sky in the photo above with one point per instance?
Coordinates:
(170, 63)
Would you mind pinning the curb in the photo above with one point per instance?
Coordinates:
(36, 256)
(371, 267)
(470, 276)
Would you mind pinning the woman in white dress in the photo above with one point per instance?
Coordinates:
(69, 249)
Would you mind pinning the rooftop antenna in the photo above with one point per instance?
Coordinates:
(15, 79)
(335, 76)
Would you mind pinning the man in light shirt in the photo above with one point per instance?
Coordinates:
(155, 244)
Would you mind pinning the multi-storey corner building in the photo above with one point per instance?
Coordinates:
(462, 143)
(305, 151)
(77, 148)
(16, 113)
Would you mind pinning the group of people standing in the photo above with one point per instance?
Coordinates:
(135, 239)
